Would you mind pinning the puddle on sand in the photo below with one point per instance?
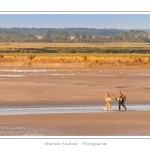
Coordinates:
(141, 74)
(83, 75)
(28, 70)
(12, 76)
(69, 109)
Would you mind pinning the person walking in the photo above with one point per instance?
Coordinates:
(108, 100)
(121, 99)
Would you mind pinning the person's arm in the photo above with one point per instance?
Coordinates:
(113, 95)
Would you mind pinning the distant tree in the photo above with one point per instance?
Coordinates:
(47, 37)
(89, 37)
(131, 32)
(111, 38)
(77, 40)
(30, 38)
(83, 36)
(1, 38)
(77, 35)
(7, 38)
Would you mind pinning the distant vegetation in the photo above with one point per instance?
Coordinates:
(62, 31)
(73, 35)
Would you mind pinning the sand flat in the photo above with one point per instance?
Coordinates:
(89, 124)
(58, 87)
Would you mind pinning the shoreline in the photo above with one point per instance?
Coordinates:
(69, 109)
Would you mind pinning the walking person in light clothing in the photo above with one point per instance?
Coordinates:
(108, 100)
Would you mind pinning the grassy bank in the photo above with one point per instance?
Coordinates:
(49, 54)
(76, 54)
(142, 48)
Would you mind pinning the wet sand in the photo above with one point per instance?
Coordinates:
(89, 124)
(62, 87)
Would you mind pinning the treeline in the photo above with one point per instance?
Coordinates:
(69, 31)
(73, 35)
(125, 37)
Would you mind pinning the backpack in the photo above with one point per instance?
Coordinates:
(108, 99)
(123, 97)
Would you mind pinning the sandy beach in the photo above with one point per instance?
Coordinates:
(64, 87)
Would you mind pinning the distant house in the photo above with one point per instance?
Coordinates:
(72, 37)
(39, 37)
(136, 36)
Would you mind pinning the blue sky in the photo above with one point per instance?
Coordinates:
(99, 21)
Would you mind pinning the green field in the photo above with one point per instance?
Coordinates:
(74, 48)
(30, 54)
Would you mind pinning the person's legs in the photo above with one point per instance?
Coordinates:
(119, 104)
(110, 106)
(123, 105)
(107, 106)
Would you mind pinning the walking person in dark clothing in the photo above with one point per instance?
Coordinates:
(121, 101)
(121, 98)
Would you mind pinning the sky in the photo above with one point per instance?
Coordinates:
(99, 21)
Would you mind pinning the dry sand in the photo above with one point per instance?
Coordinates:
(74, 86)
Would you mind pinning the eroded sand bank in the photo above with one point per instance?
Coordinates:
(31, 60)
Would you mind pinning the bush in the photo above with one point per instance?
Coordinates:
(31, 56)
(1, 56)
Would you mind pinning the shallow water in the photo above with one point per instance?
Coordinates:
(66, 72)
(12, 76)
(28, 70)
(82, 75)
(141, 74)
(69, 109)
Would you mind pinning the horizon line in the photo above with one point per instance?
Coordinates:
(79, 28)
